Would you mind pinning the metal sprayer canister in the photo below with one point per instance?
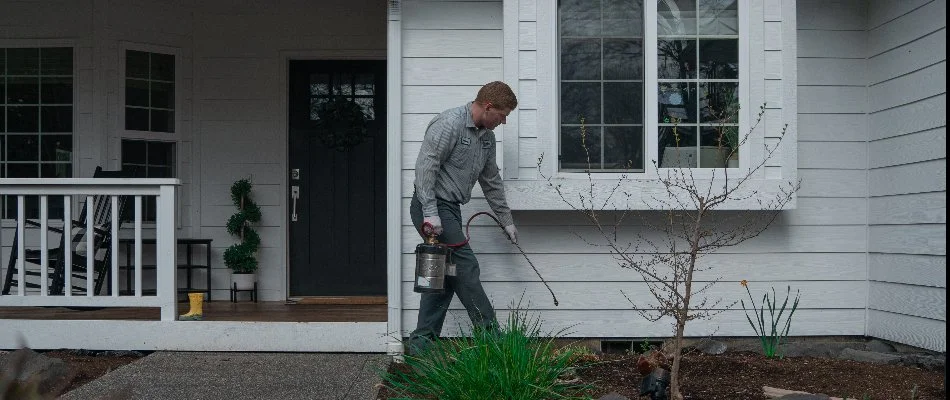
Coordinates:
(431, 260)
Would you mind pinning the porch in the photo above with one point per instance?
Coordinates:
(57, 297)
(270, 311)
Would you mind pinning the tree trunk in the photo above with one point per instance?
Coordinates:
(677, 356)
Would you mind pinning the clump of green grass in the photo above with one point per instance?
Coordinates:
(513, 362)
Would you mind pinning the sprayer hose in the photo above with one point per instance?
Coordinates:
(468, 237)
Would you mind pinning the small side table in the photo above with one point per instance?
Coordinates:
(188, 266)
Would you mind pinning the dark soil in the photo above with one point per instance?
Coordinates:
(84, 367)
(740, 375)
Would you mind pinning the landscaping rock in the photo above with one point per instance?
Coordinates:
(879, 346)
(924, 361)
(613, 396)
(121, 353)
(81, 352)
(797, 396)
(869, 356)
(34, 367)
(711, 347)
(819, 349)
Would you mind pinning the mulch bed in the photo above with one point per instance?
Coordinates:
(84, 368)
(741, 375)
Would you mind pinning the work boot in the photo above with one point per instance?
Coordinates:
(195, 313)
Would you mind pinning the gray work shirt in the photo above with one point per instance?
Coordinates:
(454, 155)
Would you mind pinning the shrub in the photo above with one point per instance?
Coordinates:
(513, 362)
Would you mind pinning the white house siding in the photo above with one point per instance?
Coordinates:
(907, 150)
(819, 248)
(232, 69)
(240, 112)
(98, 29)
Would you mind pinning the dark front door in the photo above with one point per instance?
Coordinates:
(338, 184)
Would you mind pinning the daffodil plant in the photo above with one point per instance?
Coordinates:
(777, 335)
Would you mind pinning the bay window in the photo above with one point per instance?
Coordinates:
(618, 56)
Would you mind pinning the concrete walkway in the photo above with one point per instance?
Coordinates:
(234, 376)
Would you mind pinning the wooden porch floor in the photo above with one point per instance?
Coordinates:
(215, 311)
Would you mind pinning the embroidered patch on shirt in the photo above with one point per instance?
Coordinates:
(486, 144)
(466, 140)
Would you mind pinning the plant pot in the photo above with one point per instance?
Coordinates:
(243, 281)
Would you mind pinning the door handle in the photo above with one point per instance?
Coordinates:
(294, 194)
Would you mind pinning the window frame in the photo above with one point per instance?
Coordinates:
(175, 168)
(77, 103)
(120, 107)
(125, 134)
(651, 109)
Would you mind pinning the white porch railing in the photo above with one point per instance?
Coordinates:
(83, 191)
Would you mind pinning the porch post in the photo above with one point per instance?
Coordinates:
(394, 178)
(166, 256)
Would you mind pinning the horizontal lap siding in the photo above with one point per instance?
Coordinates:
(98, 29)
(907, 172)
(239, 120)
(819, 248)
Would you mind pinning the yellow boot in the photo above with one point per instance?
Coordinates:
(194, 314)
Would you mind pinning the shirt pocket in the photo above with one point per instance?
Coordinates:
(461, 156)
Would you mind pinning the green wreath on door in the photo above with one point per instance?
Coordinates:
(341, 124)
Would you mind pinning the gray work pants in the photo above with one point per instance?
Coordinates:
(465, 283)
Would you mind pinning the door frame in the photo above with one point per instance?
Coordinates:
(283, 108)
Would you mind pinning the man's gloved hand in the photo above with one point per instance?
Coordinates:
(436, 223)
(512, 233)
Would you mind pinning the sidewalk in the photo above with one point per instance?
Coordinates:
(234, 376)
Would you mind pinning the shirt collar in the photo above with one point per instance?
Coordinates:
(470, 122)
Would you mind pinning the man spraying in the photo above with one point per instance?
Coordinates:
(457, 151)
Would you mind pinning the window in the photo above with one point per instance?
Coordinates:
(149, 159)
(357, 87)
(698, 82)
(36, 118)
(604, 80)
(601, 84)
(149, 91)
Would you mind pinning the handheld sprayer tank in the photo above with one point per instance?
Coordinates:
(434, 259)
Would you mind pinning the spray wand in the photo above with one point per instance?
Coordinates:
(426, 227)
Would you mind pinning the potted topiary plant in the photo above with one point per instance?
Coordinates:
(241, 257)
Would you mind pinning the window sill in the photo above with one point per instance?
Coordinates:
(635, 193)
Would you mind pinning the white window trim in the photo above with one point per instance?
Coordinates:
(175, 137)
(650, 82)
(523, 192)
(120, 112)
(77, 98)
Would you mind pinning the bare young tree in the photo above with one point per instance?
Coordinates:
(682, 213)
